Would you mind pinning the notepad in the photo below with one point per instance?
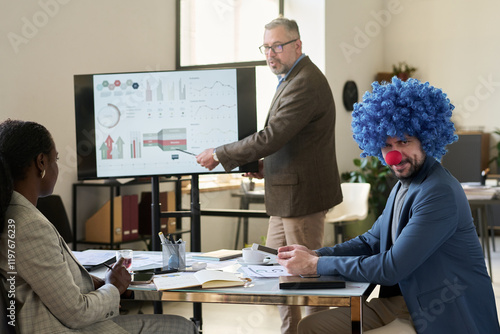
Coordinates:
(219, 255)
(206, 279)
(91, 259)
(321, 282)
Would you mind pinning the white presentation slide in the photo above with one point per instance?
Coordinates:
(155, 123)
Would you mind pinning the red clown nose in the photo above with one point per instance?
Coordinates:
(393, 158)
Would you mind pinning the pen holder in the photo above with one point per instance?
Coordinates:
(174, 256)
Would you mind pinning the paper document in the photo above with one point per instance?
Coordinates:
(93, 257)
(147, 260)
(265, 271)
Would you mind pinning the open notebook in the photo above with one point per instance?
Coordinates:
(206, 279)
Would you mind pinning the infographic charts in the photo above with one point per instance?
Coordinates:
(155, 123)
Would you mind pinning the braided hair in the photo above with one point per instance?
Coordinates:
(20, 143)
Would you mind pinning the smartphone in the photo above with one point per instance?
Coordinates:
(310, 276)
(269, 250)
(142, 278)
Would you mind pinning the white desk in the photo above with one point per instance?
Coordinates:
(265, 291)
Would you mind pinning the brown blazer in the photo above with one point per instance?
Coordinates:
(298, 143)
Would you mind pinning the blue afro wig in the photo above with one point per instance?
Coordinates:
(403, 108)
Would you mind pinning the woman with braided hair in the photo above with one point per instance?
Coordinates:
(51, 291)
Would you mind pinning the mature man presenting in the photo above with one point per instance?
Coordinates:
(298, 143)
(423, 250)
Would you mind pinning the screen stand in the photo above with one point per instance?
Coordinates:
(194, 213)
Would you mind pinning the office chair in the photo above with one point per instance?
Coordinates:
(53, 209)
(353, 208)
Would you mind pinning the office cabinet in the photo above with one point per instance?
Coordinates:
(468, 157)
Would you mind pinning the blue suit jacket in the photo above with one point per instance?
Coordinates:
(436, 259)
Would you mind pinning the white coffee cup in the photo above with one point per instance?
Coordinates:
(252, 256)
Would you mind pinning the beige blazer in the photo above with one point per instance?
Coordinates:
(298, 143)
(54, 293)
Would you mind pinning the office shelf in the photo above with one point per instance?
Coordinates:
(114, 190)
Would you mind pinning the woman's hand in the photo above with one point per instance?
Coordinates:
(118, 276)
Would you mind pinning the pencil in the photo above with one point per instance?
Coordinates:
(108, 266)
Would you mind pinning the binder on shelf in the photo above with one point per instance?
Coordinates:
(134, 214)
(126, 218)
(171, 222)
(130, 217)
(167, 203)
(97, 227)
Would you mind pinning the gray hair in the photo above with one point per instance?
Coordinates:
(290, 26)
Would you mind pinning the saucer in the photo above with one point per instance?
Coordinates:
(262, 263)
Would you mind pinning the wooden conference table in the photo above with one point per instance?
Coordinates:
(265, 291)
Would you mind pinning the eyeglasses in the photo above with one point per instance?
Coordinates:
(264, 49)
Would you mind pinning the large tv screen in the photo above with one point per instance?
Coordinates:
(154, 123)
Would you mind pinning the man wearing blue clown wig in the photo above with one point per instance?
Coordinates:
(423, 250)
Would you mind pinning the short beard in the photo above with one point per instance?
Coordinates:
(284, 69)
(415, 167)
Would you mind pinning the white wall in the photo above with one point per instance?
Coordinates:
(44, 43)
(454, 45)
(311, 27)
(351, 56)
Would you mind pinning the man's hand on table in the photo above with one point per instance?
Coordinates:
(298, 260)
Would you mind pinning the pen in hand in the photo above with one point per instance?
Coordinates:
(108, 266)
(118, 276)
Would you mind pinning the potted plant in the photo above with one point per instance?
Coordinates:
(370, 170)
(497, 157)
(403, 71)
